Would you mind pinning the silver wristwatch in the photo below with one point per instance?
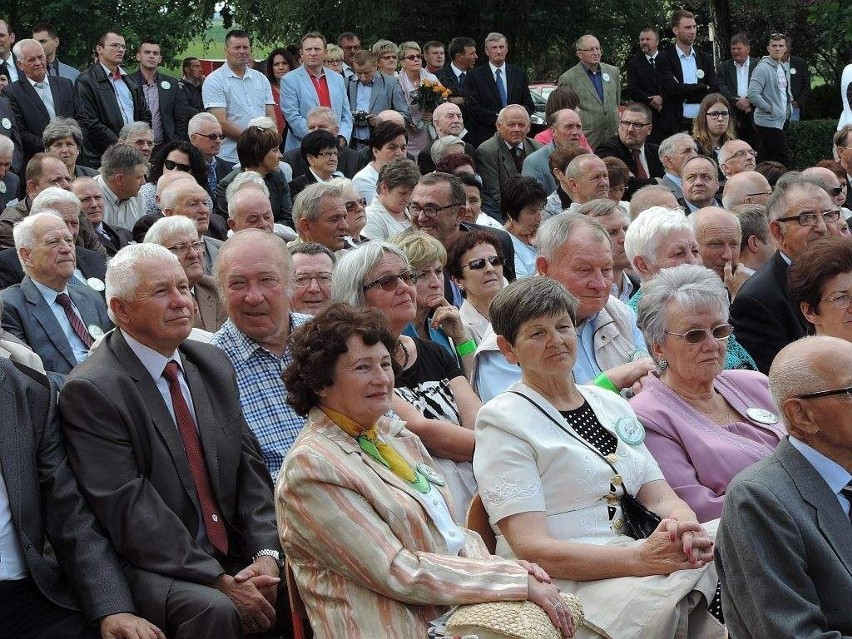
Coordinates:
(268, 552)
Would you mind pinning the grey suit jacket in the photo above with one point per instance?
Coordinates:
(129, 459)
(211, 312)
(496, 166)
(67, 71)
(28, 317)
(537, 165)
(667, 182)
(386, 94)
(46, 503)
(784, 554)
(600, 118)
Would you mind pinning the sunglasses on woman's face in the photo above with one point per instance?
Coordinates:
(390, 282)
(171, 165)
(698, 335)
(478, 265)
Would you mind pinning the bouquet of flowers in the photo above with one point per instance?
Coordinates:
(430, 94)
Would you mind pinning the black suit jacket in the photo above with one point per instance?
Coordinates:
(349, 161)
(675, 92)
(223, 167)
(763, 318)
(130, 462)
(90, 263)
(31, 115)
(114, 239)
(447, 77)
(174, 108)
(46, 503)
(642, 83)
(192, 94)
(800, 81)
(615, 148)
(7, 117)
(483, 102)
(98, 112)
(727, 72)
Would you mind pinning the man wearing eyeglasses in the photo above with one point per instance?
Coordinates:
(255, 274)
(736, 156)
(783, 551)
(631, 146)
(769, 92)
(205, 134)
(107, 98)
(598, 86)
(765, 321)
(748, 187)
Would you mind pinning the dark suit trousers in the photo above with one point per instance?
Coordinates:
(771, 145)
(27, 614)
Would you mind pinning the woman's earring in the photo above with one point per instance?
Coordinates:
(663, 364)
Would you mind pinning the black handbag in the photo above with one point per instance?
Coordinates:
(639, 522)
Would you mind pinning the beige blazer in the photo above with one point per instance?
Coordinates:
(367, 559)
(600, 119)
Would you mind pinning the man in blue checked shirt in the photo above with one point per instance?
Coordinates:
(254, 274)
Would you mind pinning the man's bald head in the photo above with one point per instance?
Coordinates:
(651, 195)
(718, 234)
(447, 119)
(390, 115)
(748, 187)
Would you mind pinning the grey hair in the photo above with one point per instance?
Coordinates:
(233, 196)
(60, 128)
(753, 221)
(23, 233)
(776, 205)
(691, 286)
(308, 203)
(504, 112)
(648, 196)
(132, 128)
(312, 248)
(52, 196)
(527, 299)
(324, 112)
(724, 153)
(18, 49)
(121, 158)
(440, 147)
(197, 120)
(494, 37)
(599, 208)
(342, 183)
(793, 372)
(6, 144)
(170, 195)
(556, 231)
(263, 122)
(250, 240)
(667, 146)
(122, 275)
(245, 178)
(649, 230)
(167, 227)
(347, 282)
(574, 168)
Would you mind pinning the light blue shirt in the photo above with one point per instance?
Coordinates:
(833, 473)
(122, 94)
(363, 93)
(586, 367)
(81, 352)
(689, 67)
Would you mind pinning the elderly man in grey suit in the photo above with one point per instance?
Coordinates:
(502, 155)
(598, 86)
(58, 320)
(783, 547)
(167, 462)
(44, 590)
(370, 93)
(674, 151)
(567, 128)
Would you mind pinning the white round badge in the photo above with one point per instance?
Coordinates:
(605, 77)
(699, 74)
(2, 187)
(630, 430)
(95, 284)
(166, 85)
(792, 71)
(431, 475)
(762, 416)
(96, 331)
(6, 122)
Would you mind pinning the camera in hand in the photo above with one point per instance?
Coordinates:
(360, 118)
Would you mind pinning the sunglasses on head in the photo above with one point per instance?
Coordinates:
(478, 265)
(171, 165)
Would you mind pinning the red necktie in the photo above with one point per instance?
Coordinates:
(216, 532)
(641, 173)
(76, 323)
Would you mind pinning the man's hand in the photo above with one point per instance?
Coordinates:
(259, 573)
(735, 277)
(372, 120)
(124, 625)
(744, 105)
(656, 102)
(256, 613)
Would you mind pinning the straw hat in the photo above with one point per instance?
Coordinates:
(510, 620)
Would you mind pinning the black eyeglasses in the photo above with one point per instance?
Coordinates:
(697, 335)
(766, 193)
(212, 136)
(478, 265)
(171, 165)
(352, 205)
(634, 125)
(390, 282)
(827, 393)
(836, 190)
(429, 210)
(810, 218)
(718, 115)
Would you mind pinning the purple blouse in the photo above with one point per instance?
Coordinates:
(697, 456)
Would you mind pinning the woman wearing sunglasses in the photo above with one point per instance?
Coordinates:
(174, 156)
(431, 392)
(475, 262)
(703, 424)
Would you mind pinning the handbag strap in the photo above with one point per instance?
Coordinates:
(566, 431)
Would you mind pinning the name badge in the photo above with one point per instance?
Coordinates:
(762, 416)
(605, 77)
(630, 430)
(95, 284)
(699, 74)
(792, 71)
(2, 187)
(96, 331)
(431, 475)
(166, 85)
(6, 122)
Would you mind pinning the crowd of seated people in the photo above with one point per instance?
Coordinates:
(248, 335)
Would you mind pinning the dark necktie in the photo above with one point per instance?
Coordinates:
(213, 523)
(652, 62)
(501, 87)
(846, 491)
(76, 323)
(462, 77)
(640, 171)
(212, 182)
(518, 157)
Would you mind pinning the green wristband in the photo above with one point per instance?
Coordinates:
(604, 382)
(466, 348)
